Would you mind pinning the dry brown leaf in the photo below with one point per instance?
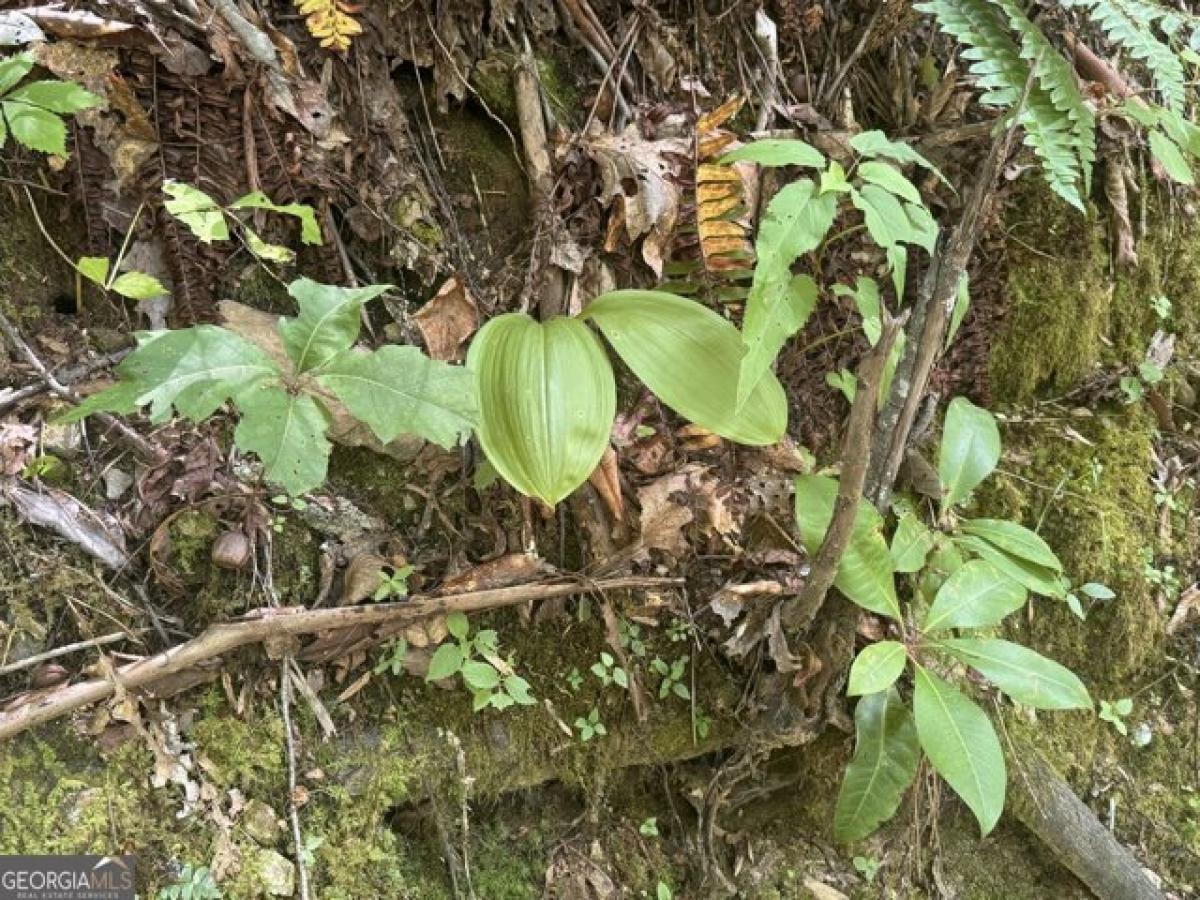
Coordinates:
(448, 320)
(663, 519)
(16, 443)
(606, 479)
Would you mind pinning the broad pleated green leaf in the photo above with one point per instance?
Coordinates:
(777, 152)
(865, 572)
(876, 668)
(910, 544)
(689, 356)
(400, 390)
(1023, 674)
(547, 399)
(970, 449)
(194, 370)
(1038, 579)
(975, 596)
(1015, 540)
(962, 746)
(287, 432)
(328, 323)
(885, 761)
(779, 303)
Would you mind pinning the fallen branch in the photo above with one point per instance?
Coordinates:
(66, 649)
(261, 624)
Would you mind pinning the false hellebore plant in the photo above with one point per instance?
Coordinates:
(966, 577)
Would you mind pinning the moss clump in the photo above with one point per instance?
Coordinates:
(1094, 505)
(492, 79)
(1069, 311)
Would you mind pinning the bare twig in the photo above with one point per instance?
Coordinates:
(856, 455)
(285, 707)
(260, 624)
(10, 397)
(30, 661)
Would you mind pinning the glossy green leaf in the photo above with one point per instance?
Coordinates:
(36, 128)
(890, 178)
(63, 97)
(876, 668)
(962, 746)
(690, 357)
(886, 755)
(796, 221)
(329, 321)
(199, 212)
(970, 449)
(547, 400)
(13, 69)
(1023, 674)
(138, 286)
(94, 269)
(399, 390)
(310, 231)
(877, 145)
(1171, 158)
(976, 595)
(777, 152)
(1015, 540)
(194, 370)
(1038, 579)
(865, 571)
(910, 544)
(287, 432)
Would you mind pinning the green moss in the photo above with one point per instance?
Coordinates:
(1093, 504)
(492, 78)
(1068, 311)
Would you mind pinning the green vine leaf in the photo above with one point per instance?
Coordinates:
(1023, 674)
(329, 321)
(287, 432)
(886, 754)
(400, 390)
(962, 746)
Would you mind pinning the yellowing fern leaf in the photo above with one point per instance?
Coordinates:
(330, 22)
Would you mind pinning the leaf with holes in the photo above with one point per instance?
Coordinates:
(886, 754)
(199, 212)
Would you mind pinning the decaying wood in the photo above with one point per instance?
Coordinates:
(261, 624)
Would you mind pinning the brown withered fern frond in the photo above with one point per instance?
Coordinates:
(331, 22)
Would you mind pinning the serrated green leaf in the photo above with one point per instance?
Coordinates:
(547, 400)
(447, 660)
(796, 222)
(886, 755)
(962, 746)
(13, 69)
(193, 369)
(518, 688)
(1015, 540)
(876, 668)
(890, 178)
(263, 250)
(1037, 579)
(689, 357)
(876, 144)
(36, 128)
(1170, 157)
(970, 449)
(399, 390)
(287, 432)
(63, 97)
(138, 286)
(865, 571)
(458, 625)
(94, 268)
(976, 595)
(199, 212)
(480, 676)
(329, 321)
(910, 544)
(1023, 674)
(310, 231)
(777, 152)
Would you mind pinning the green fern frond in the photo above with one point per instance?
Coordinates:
(1058, 125)
(1130, 25)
